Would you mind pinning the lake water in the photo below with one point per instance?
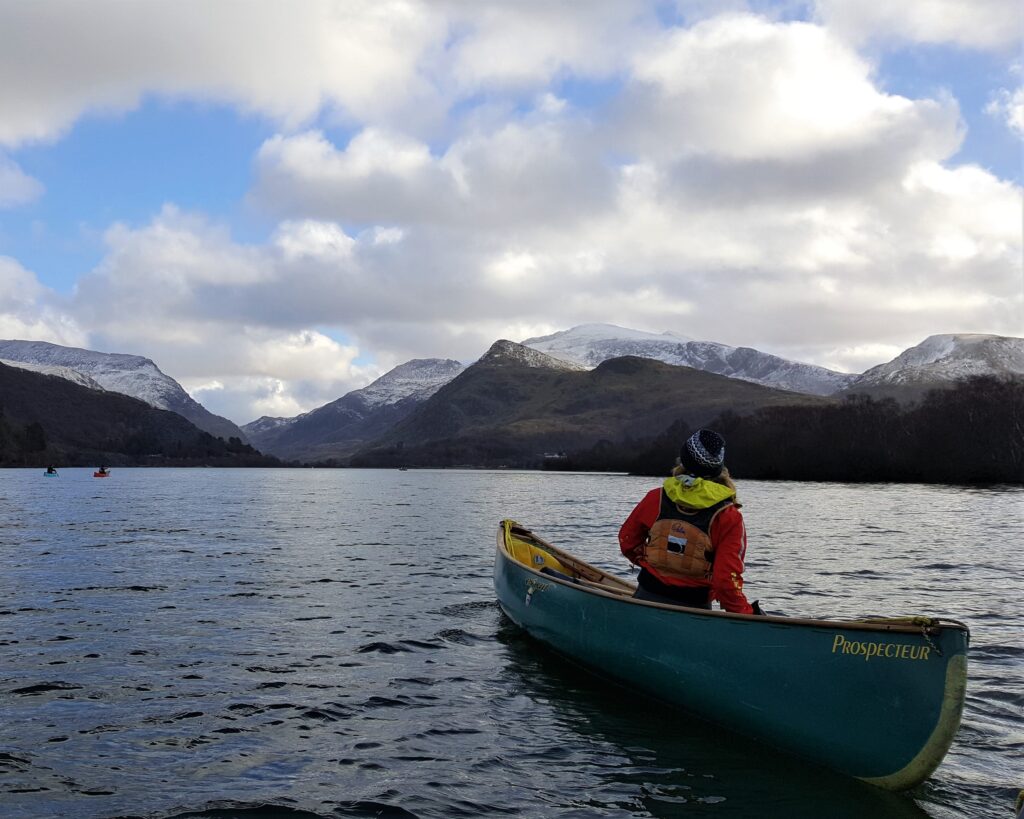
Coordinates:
(326, 643)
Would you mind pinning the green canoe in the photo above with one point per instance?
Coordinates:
(878, 699)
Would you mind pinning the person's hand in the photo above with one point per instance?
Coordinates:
(756, 605)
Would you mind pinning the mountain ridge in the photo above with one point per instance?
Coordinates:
(123, 373)
(942, 360)
(338, 428)
(46, 418)
(503, 410)
(590, 344)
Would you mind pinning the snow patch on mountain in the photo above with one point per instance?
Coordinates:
(948, 358)
(61, 372)
(417, 379)
(591, 344)
(505, 352)
(267, 423)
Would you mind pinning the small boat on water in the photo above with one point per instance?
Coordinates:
(879, 699)
(101, 473)
(51, 475)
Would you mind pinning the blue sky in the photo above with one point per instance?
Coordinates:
(281, 208)
(123, 168)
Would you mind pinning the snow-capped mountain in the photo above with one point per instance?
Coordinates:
(267, 424)
(334, 429)
(590, 344)
(943, 359)
(417, 379)
(127, 374)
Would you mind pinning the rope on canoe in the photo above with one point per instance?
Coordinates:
(911, 620)
(928, 625)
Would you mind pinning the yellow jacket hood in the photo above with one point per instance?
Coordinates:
(696, 493)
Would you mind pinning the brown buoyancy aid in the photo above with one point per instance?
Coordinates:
(679, 545)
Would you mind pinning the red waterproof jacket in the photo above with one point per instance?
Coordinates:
(728, 536)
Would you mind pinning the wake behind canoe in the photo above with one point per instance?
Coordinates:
(876, 699)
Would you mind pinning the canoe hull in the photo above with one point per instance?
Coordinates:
(880, 704)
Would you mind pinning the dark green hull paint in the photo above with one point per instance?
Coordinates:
(889, 721)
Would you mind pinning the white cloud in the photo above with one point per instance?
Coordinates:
(532, 171)
(740, 87)
(59, 60)
(529, 42)
(16, 186)
(278, 374)
(981, 24)
(387, 62)
(30, 311)
(860, 357)
(1008, 106)
(379, 176)
(313, 238)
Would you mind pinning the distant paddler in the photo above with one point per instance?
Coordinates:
(51, 472)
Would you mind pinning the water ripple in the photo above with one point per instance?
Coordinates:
(261, 643)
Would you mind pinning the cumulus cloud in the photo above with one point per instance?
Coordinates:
(30, 311)
(60, 59)
(537, 171)
(742, 88)
(280, 374)
(980, 24)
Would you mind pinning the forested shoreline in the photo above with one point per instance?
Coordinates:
(971, 433)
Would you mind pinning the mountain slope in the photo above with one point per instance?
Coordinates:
(126, 374)
(590, 344)
(52, 369)
(337, 429)
(940, 361)
(504, 410)
(47, 418)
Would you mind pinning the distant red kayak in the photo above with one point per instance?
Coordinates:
(101, 474)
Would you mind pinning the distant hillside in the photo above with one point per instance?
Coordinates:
(590, 344)
(941, 361)
(48, 419)
(127, 374)
(516, 404)
(336, 430)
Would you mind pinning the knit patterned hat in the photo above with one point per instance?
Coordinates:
(703, 454)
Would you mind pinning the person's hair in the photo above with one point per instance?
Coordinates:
(724, 478)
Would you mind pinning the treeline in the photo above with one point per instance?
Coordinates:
(29, 444)
(971, 433)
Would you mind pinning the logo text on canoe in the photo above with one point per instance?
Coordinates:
(885, 651)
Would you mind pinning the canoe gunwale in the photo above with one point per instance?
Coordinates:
(933, 627)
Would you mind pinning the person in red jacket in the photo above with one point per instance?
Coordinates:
(687, 536)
